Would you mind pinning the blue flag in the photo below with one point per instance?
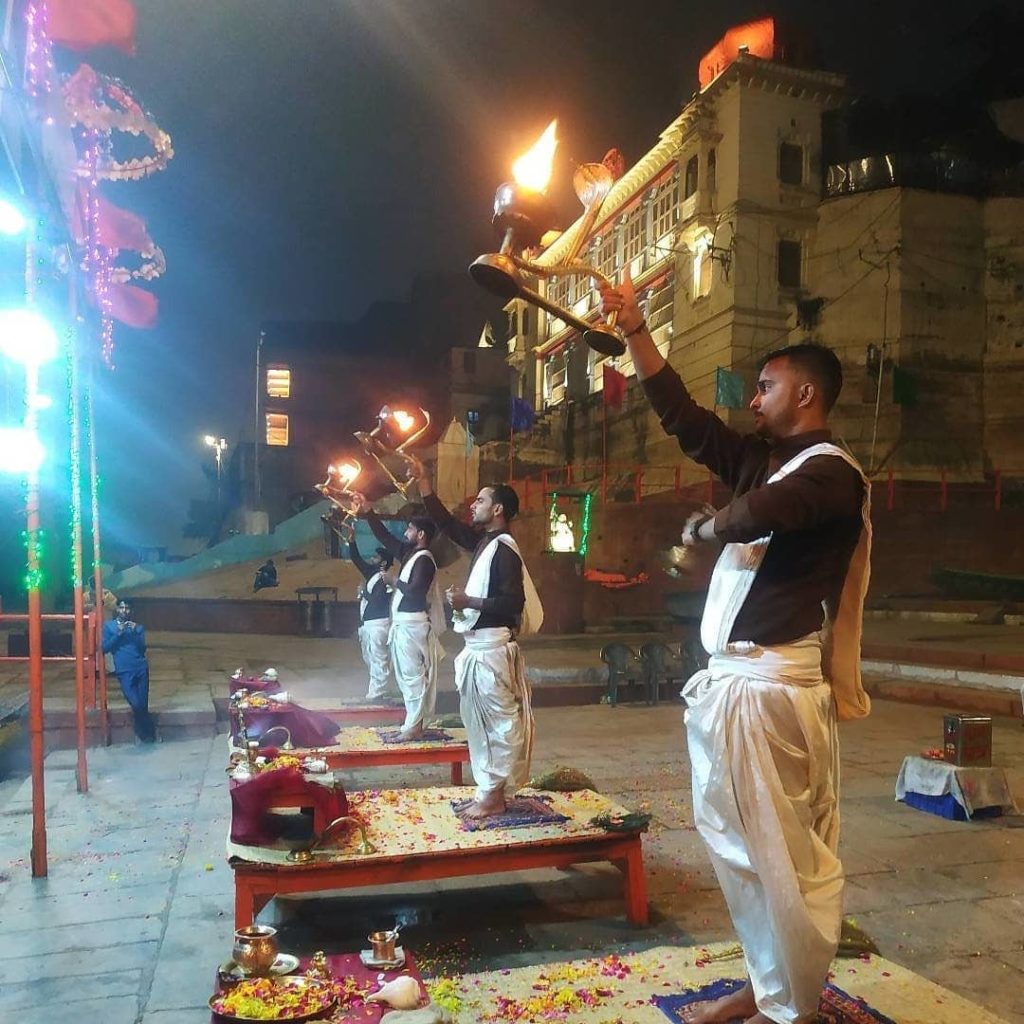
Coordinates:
(521, 415)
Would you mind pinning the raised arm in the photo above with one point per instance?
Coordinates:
(461, 533)
(700, 433)
(358, 561)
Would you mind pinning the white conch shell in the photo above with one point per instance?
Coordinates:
(401, 993)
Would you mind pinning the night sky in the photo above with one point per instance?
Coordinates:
(329, 151)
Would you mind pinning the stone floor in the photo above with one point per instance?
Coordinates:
(137, 910)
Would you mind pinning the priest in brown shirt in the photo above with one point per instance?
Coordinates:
(782, 628)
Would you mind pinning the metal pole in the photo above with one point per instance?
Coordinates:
(94, 498)
(82, 768)
(257, 484)
(35, 645)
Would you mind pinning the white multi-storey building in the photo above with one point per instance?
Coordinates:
(740, 240)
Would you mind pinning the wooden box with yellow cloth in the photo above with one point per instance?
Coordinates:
(414, 835)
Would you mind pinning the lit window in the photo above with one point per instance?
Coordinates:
(279, 382)
(277, 429)
(790, 254)
(666, 209)
(791, 164)
(690, 182)
(633, 234)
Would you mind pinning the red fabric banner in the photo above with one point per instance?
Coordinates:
(614, 389)
(85, 24)
(132, 305)
(118, 228)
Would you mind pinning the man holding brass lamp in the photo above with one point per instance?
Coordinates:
(374, 618)
(417, 616)
(498, 603)
(782, 627)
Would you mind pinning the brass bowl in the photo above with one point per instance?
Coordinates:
(255, 949)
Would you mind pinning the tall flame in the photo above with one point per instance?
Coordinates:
(346, 472)
(403, 420)
(533, 169)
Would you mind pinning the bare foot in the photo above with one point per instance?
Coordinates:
(737, 1005)
(493, 803)
(411, 735)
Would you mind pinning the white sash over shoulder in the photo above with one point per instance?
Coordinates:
(479, 581)
(367, 591)
(435, 605)
(734, 574)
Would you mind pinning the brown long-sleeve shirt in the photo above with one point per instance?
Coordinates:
(813, 514)
(505, 599)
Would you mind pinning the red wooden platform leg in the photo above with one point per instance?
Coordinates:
(248, 902)
(635, 884)
(456, 773)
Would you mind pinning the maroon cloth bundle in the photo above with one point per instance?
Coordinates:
(254, 685)
(306, 728)
(253, 799)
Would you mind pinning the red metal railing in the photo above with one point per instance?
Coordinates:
(942, 494)
(626, 483)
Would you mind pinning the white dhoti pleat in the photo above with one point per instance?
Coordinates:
(373, 638)
(761, 729)
(490, 676)
(415, 655)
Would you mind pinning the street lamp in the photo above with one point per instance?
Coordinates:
(219, 446)
(26, 338)
(13, 221)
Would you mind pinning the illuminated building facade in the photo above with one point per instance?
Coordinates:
(756, 221)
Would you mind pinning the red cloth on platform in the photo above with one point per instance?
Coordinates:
(348, 965)
(84, 24)
(253, 799)
(306, 728)
(254, 685)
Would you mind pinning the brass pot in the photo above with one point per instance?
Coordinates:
(255, 949)
(383, 944)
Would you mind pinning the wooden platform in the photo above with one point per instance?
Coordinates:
(362, 747)
(418, 838)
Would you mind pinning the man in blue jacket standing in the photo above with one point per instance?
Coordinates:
(125, 641)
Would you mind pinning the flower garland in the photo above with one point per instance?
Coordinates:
(103, 103)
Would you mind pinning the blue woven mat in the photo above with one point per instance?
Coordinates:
(429, 736)
(520, 812)
(836, 1006)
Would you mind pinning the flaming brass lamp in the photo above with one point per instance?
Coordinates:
(522, 215)
(396, 431)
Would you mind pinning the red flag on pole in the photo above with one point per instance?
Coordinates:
(614, 387)
(132, 305)
(85, 24)
(121, 229)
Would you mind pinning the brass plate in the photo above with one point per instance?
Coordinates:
(325, 1004)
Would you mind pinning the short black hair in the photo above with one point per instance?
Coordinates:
(507, 498)
(385, 556)
(819, 362)
(426, 525)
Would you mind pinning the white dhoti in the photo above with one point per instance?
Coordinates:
(494, 701)
(761, 729)
(415, 655)
(373, 639)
